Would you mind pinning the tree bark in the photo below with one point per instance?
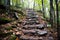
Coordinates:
(51, 13)
(34, 4)
(58, 26)
(8, 3)
(43, 8)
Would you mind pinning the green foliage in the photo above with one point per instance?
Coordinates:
(8, 28)
(21, 4)
(4, 20)
(5, 34)
(38, 4)
(13, 37)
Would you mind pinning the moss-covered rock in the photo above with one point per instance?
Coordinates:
(4, 20)
(8, 28)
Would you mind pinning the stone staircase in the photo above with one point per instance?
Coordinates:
(33, 30)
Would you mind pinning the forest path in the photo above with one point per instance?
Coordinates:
(34, 28)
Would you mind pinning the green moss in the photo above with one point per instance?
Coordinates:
(4, 20)
(6, 34)
(8, 28)
(13, 37)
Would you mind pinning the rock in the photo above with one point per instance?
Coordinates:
(14, 26)
(17, 33)
(50, 38)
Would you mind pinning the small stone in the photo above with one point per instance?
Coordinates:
(17, 33)
(41, 37)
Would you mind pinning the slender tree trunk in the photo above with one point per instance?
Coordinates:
(28, 3)
(34, 4)
(43, 8)
(22, 2)
(58, 26)
(51, 13)
(16, 3)
(8, 5)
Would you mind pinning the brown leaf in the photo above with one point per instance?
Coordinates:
(17, 38)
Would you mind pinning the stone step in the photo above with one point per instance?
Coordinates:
(28, 31)
(42, 33)
(39, 26)
(34, 32)
(30, 38)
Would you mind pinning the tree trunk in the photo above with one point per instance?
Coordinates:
(22, 2)
(43, 8)
(28, 4)
(7, 5)
(51, 13)
(58, 26)
(34, 4)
